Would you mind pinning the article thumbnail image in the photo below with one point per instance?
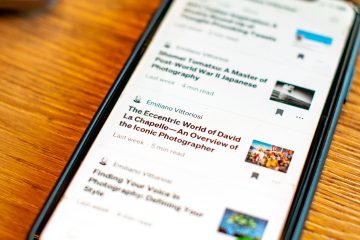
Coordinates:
(292, 95)
(269, 156)
(242, 226)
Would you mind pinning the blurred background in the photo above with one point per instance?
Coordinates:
(56, 67)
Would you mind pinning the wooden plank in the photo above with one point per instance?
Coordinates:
(56, 68)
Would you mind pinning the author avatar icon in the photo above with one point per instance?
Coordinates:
(103, 161)
(137, 99)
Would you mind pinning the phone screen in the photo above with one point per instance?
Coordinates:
(210, 136)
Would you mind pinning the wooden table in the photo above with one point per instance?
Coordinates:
(56, 68)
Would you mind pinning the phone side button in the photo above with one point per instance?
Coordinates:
(349, 85)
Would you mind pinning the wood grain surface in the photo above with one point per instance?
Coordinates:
(56, 67)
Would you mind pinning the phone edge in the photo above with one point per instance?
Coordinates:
(352, 52)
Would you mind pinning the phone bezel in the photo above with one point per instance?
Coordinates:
(312, 164)
(323, 134)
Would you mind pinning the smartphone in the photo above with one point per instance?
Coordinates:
(217, 127)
